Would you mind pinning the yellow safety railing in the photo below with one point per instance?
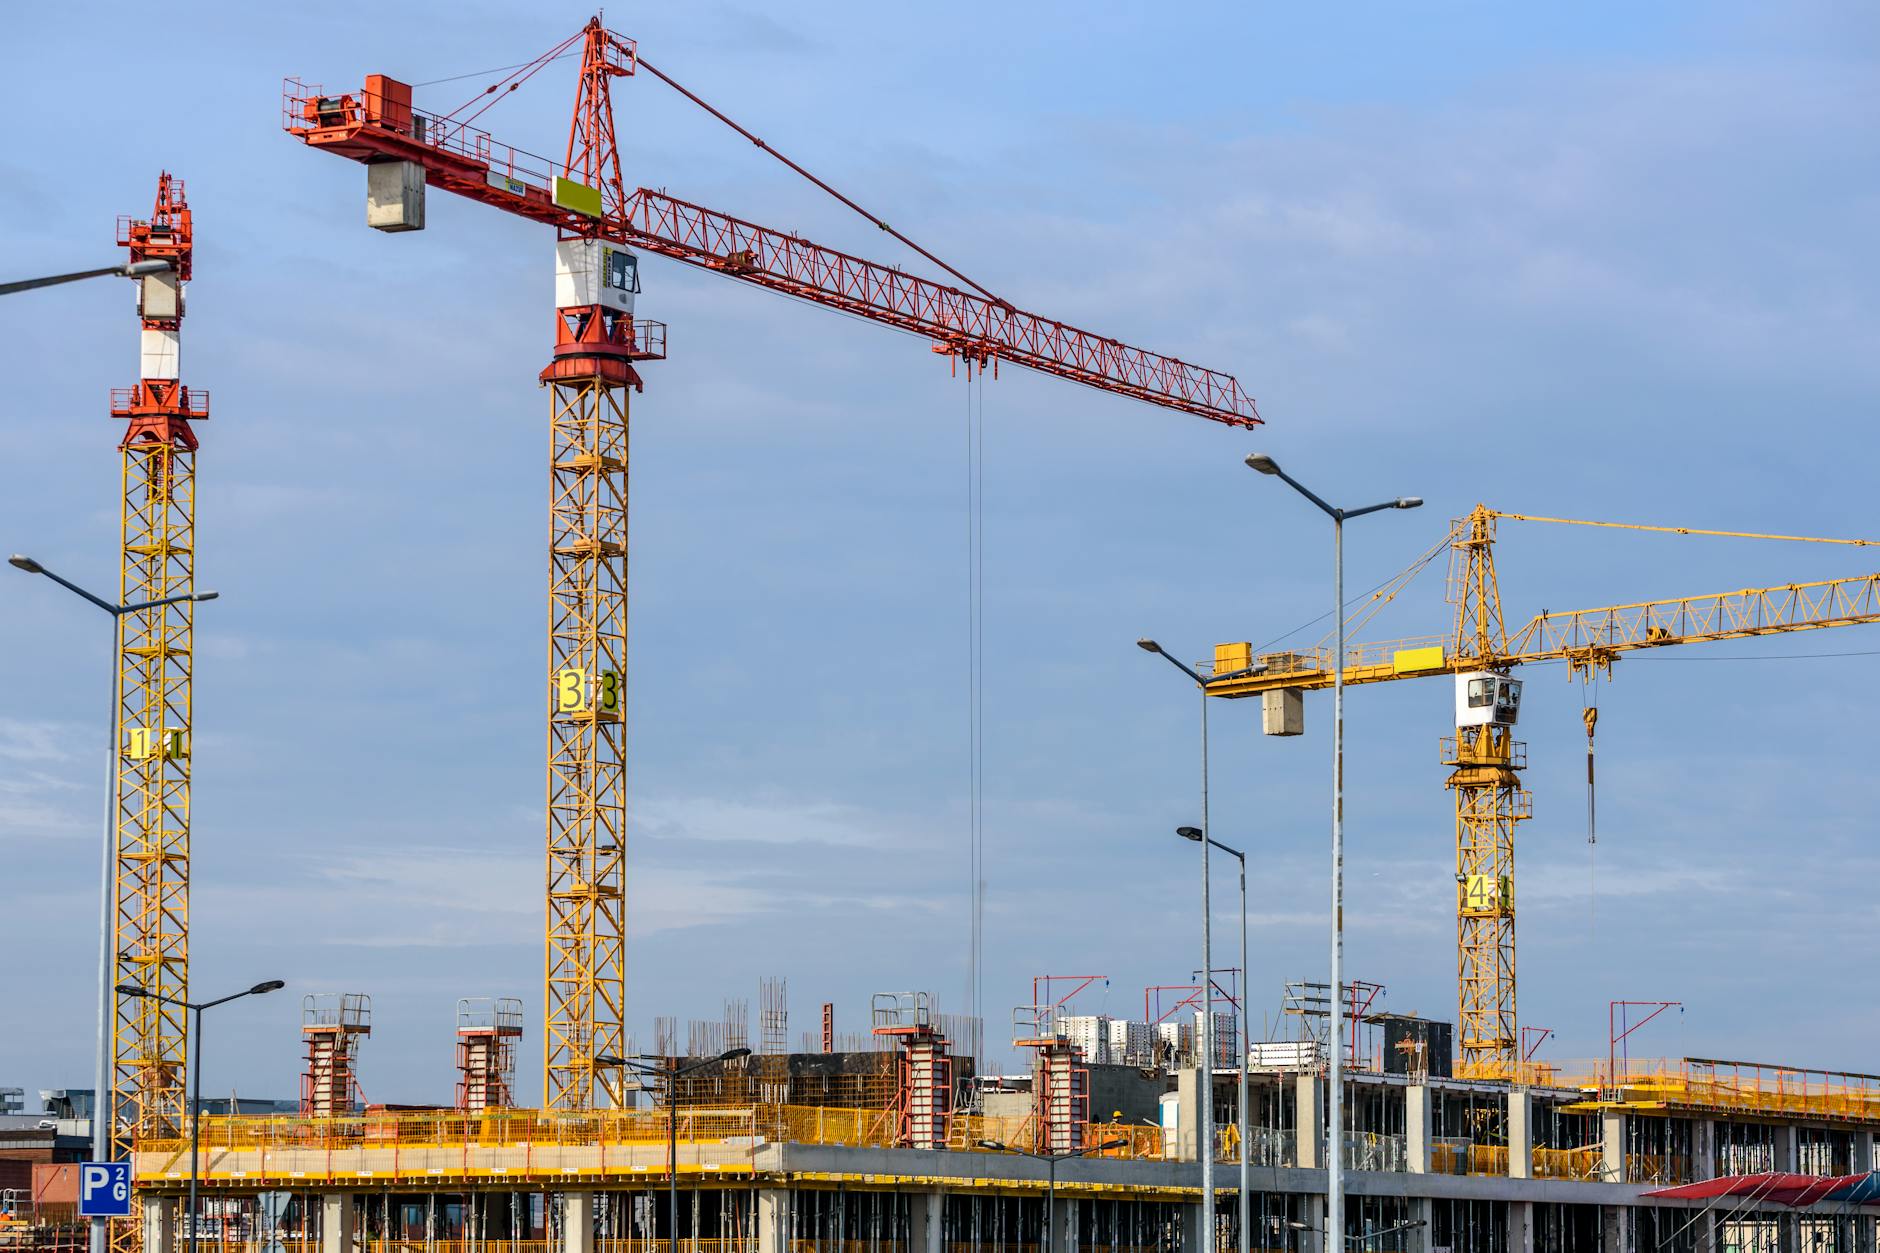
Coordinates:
(735, 1128)
(418, 1244)
(1581, 1163)
(1746, 1087)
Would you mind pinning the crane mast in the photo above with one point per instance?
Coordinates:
(589, 379)
(601, 229)
(155, 702)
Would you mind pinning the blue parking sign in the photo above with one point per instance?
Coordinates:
(104, 1189)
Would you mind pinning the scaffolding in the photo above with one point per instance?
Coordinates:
(487, 1031)
(333, 1024)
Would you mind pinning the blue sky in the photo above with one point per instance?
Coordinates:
(1599, 262)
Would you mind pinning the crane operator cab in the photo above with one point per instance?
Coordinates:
(592, 272)
(1487, 700)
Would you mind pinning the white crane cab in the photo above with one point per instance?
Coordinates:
(592, 272)
(1485, 699)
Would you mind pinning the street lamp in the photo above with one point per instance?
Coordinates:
(1368, 1236)
(671, 1070)
(1195, 834)
(1050, 1160)
(128, 269)
(1204, 1134)
(194, 1052)
(101, 1113)
(1335, 1149)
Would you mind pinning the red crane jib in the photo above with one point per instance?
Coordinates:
(379, 124)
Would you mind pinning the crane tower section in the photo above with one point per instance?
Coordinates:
(154, 707)
(589, 379)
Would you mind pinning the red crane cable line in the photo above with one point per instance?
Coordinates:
(520, 73)
(873, 219)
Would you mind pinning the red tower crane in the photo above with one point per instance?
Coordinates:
(599, 226)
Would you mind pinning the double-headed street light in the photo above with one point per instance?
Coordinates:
(193, 1050)
(1204, 1134)
(1335, 1148)
(127, 269)
(1240, 1060)
(101, 1111)
(669, 1069)
(1367, 1237)
(1051, 1161)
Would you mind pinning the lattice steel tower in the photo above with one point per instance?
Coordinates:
(154, 670)
(596, 344)
(1490, 801)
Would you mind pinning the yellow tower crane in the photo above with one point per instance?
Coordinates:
(1483, 755)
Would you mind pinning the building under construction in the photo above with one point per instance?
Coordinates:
(1453, 1138)
(899, 1146)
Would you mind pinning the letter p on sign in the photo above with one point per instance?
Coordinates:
(104, 1189)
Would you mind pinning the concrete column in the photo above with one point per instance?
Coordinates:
(1612, 1145)
(159, 1224)
(577, 1222)
(337, 1223)
(1521, 1140)
(1187, 1114)
(773, 1217)
(1785, 1147)
(1309, 1120)
(1520, 1225)
(924, 1212)
(1861, 1161)
(1192, 1240)
(1422, 1210)
(1416, 1127)
(1064, 1226)
(1703, 1151)
(1618, 1231)
(1703, 1228)
(1788, 1226)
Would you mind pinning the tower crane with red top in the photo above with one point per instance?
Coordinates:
(601, 228)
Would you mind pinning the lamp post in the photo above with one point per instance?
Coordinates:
(1369, 1236)
(670, 1069)
(1204, 1134)
(195, 1063)
(101, 1111)
(1192, 833)
(128, 269)
(1334, 1137)
(1050, 1161)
